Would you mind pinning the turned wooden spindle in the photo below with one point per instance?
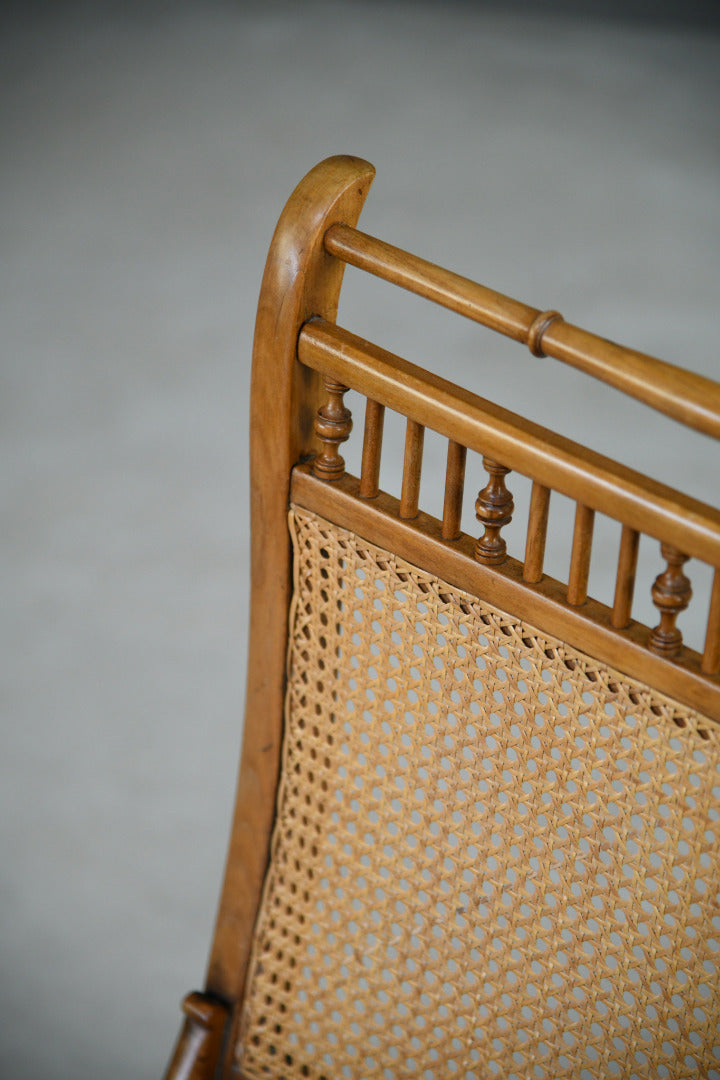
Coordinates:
(671, 593)
(625, 580)
(494, 510)
(454, 489)
(333, 425)
(711, 654)
(372, 445)
(412, 469)
(580, 555)
(536, 533)
(710, 664)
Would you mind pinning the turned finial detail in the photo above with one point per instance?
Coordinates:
(671, 593)
(333, 425)
(494, 509)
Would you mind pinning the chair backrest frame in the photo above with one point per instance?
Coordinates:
(302, 365)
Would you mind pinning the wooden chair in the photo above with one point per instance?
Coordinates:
(478, 812)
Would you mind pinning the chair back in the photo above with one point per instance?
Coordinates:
(478, 811)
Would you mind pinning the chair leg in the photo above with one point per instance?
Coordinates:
(198, 1047)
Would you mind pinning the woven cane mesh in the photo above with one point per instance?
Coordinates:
(492, 856)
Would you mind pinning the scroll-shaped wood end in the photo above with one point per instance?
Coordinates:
(494, 510)
(198, 1047)
(671, 593)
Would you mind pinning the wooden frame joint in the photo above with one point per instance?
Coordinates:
(538, 328)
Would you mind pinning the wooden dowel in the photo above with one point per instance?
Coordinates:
(412, 468)
(532, 450)
(625, 581)
(580, 557)
(372, 446)
(450, 290)
(454, 488)
(692, 399)
(536, 533)
(711, 656)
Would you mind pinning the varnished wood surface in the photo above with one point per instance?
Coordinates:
(494, 508)
(580, 555)
(675, 391)
(454, 490)
(711, 653)
(536, 533)
(412, 469)
(333, 425)
(554, 461)
(197, 1050)
(625, 581)
(372, 448)
(671, 593)
(544, 605)
(300, 280)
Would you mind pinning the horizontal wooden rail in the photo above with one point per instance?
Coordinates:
(692, 399)
(588, 628)
(550, 459)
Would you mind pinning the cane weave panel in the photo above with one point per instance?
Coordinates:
(492, 856)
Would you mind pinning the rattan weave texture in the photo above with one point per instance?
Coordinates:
(492, 856)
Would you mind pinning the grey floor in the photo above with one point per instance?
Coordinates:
(146, 153)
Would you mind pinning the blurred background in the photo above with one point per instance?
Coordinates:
(565, 153)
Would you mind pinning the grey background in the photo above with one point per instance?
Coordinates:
(566, 158)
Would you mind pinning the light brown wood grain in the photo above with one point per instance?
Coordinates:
(372, 449)
(412, 469)
(556, 462)
(625, 581)
(454, 490)
(580, 555)
(536, 533)
(675, 391)
(301, 280)
(711, 653)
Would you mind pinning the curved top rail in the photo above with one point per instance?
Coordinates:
(692, 399)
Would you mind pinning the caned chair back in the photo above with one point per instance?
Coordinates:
(478, 812)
